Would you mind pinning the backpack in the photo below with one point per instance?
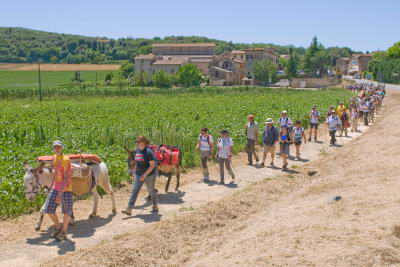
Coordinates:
(208, 140)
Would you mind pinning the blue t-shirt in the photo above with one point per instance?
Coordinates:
(142, 159)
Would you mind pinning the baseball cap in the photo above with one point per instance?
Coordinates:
(224, 132)
(57, 143)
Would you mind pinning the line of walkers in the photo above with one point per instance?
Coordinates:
(365, 106)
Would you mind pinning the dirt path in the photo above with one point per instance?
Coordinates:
(20, 245)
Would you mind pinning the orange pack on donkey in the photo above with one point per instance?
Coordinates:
(169, 159)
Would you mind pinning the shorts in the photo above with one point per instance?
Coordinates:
(205, 154)
(269, 149)
(313, 125)
(66, 202)
(284, 148)
(297, 142)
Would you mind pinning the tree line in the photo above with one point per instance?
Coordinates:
(385, 65)
(19, 45)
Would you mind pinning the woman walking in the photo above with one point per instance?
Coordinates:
(205, 146)
(285, 141)
(225, 145)
(298, 133)
(145, 171)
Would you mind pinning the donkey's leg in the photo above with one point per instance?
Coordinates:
(178, 178)
(108, 189)
(40, 220)
(169, 176)
(95, 201)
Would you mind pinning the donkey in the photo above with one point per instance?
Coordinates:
(39, 178)
(165, 170)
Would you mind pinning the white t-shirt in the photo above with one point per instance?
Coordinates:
(314, 116)
(298, 133)
(285, 121)
(205, 142)
(333, 122)
(224, 145)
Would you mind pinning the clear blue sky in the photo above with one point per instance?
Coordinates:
(359, 24)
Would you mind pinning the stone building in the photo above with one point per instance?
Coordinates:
(169, 57)
(255, 54)
(358, 63)
(226, 70)
(342, 65)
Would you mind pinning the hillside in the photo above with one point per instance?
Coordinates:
(20, 45)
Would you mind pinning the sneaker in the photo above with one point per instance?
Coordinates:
(127, 211)
(221, 182)
(272, 164)
(56, 232)
(206, 179)
(62, 236)
(296, 158)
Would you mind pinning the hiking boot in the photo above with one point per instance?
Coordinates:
(250, 163)
(284, 168)
(309, 139)
(127, 211)
(272, 164)
(56, 232)
(221, 182)
(62, 236)
(262, 165)
(155, 209)
(315, 139)
(206, 179)
(233, 177)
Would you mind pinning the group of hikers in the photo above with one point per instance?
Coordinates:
(284, 133)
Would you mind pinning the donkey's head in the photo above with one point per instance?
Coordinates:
(31, 180)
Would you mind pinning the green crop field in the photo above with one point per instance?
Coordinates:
(29, 79)
(101, 125)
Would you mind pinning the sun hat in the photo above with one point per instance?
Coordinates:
(57, 143)
(284, 112)
(269, 120)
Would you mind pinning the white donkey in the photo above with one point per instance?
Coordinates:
(39, 178)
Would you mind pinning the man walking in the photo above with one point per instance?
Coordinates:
(333, 123)
(252, 137)
(60, 192)
(205, 146)
(270, 137)
(284, 120)
(314, 121)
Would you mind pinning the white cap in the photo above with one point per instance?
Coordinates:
(58, 143)
(269, 120)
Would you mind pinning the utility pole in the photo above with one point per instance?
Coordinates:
(40, 83)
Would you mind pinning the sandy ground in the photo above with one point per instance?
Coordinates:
(59, 67)
(297, 229)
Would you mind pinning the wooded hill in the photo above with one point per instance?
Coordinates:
(20, 45)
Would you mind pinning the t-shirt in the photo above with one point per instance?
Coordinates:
(333, 122)
(224, 145)
(252, 130)
(340, 109)
(142, 159)
(205, 141)
(298, 133)
(62, 166)
(314, 116)
(284, 121)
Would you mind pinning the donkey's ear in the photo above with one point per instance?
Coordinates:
(26, 165)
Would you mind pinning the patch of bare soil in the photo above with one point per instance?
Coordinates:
(59, 67)
(287, 220)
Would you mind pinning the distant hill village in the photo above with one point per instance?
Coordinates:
(232, 68)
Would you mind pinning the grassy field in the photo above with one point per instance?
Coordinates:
(29, 79)
(103, 125)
